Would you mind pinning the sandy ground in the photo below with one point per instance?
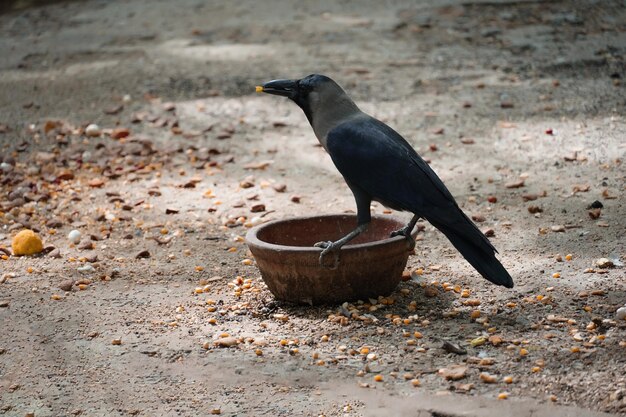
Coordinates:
(518, 105)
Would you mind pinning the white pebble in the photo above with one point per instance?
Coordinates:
(86, 157)
(86, 269)
(5, 167)
(93, 130)
(256, 220)
(74, 236)
(604, 263)
(620, 314)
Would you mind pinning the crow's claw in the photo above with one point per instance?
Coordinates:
(407, 234)
(328, 247)
(323, 244)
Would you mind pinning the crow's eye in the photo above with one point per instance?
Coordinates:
(303, 87)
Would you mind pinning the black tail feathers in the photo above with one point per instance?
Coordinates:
(480, 256)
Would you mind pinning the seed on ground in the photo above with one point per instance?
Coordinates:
(503, 395)
(378, 378)
(556, 275)
(569, 257)
(508, 379)
(116, 342)
(416, 382)
(523, 352)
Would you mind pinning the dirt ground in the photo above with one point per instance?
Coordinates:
(518, 105)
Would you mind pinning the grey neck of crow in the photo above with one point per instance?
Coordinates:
(328, 109)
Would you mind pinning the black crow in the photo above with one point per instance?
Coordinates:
(379, 165)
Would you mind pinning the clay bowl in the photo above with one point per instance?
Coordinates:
(370, 266)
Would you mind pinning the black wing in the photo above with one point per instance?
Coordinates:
(373, 156)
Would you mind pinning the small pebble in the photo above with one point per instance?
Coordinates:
(93, 130)
(604, 263)
(86, 269)
(143, 254)
(5, 167)
(74, 236)
(86, 244)
(620, 314)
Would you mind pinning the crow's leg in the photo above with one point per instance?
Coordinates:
(335, 246)
(363, 201)
(406, 231)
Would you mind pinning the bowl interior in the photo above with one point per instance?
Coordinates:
(305, 232)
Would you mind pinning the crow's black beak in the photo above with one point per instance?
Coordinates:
(286, 88)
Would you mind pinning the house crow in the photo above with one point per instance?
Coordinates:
(379, 165)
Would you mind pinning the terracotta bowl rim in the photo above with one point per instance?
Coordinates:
(253, 240)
